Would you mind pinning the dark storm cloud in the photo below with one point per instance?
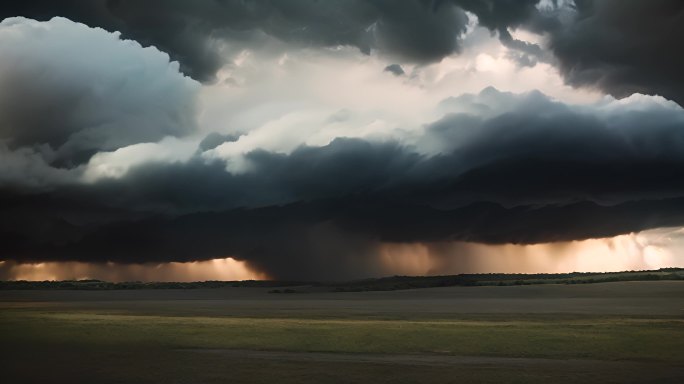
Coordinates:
(539, 171)
(619, 46)
(498, 168)
(524, 53)
(624, 46)
(418, 31)
(501, 14)
(395, 69)
(215, 139)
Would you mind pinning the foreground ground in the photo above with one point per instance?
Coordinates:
(609, 332)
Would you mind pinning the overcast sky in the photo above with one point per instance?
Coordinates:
(339, 139)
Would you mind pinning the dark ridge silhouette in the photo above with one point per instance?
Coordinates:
(374, 284)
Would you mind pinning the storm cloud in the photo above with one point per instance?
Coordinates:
(68, 91)
(200, 33)
(308, 160)
(193, 31)
(623, 47)
(506, 174)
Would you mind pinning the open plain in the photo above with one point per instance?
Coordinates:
(608, 332)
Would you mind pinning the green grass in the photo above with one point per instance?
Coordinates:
(584, 338)
(176, 367)
(598, 333)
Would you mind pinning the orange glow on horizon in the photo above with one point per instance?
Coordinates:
(225, 269)
(650, 249)
(653, 249)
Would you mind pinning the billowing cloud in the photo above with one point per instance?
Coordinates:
(514, 168)
(68, 91)
(623, 47)
(395, 69)
(200, 33)
(619, 46)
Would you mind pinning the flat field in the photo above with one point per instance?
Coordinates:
(608, 332)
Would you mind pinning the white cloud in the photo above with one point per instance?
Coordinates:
(279, 102)
(81, 89)
(130, 97)
(116, 164)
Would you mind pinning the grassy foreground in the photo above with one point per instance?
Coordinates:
(110, 338)
(605, 338)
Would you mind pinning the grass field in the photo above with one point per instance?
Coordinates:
(612, 332)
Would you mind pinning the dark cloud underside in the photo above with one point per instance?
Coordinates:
(624, 46)
(517, 177)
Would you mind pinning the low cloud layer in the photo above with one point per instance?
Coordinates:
(507, 174)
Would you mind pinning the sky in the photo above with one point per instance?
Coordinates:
(330, 140)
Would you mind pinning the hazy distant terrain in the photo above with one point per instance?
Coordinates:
(607, 332)
(378, 284)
